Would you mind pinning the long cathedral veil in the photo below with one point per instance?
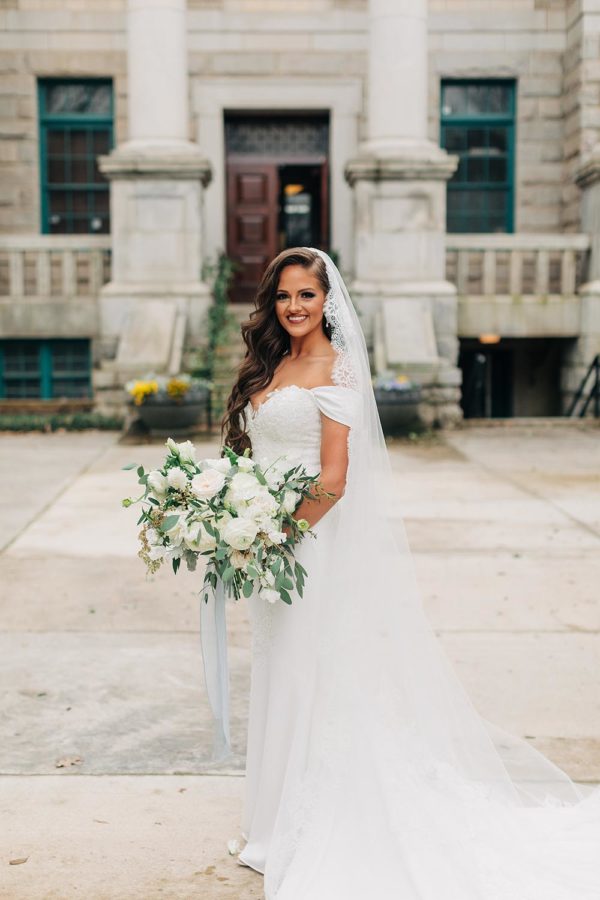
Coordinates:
(398, 666)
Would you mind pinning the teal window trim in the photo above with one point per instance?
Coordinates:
(47, 373)
(82, 121)
(505, 120)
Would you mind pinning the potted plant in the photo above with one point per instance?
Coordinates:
(169, 403)
(397, 397)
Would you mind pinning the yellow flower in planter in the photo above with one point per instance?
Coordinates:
(177, 387)
(139, 390)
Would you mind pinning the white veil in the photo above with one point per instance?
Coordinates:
(382, 642)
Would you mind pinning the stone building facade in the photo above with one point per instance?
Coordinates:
(447, 153)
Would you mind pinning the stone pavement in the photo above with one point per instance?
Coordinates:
(103, 787)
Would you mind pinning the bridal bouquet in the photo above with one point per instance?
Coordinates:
(229, 510)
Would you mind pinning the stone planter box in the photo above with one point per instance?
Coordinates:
(398, 409)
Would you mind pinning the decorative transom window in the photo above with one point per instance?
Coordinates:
(478, 125)
(76, 126)
(46, 369)
(276, 135)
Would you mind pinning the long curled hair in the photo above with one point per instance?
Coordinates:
(266, 342)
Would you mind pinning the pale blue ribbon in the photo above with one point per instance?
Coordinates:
(213, 638)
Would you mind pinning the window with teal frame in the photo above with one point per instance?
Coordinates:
(76, 126)
(478, 125)
(45, 369)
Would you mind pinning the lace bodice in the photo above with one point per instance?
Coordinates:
(288, 422)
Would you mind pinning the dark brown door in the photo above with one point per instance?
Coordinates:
(252, 211)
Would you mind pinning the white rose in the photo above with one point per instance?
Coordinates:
(270, 595)
(158, 484)
(243, 486)
(239, 533)
(177, 478)
(197, 538)
(290, 501)
(277, 537)
(262, 505)
(221, 465)
(245, 464)
(187, 451)
(208, 483)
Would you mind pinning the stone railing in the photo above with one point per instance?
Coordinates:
(517, 265)
(60, 267)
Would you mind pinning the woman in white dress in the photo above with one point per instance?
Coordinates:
(369, 772)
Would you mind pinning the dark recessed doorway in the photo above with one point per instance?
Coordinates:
(277, 190)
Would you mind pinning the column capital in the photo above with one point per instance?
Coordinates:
(155, 159)
(428, 162)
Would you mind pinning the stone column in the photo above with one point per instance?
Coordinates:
(409, 309)
(156, 296)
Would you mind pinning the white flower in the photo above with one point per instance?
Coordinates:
(197, 538)
(239, 533)
(187, 451)
(158, 484)
(263, 505)
(156, 552)
(245, 464)
(207, 483)
(173, 446)
(152, 536)
(290, 501)
(277, 537)
(243, 486)
(177, 478)
(178, 530)
(221, 465)
(270, 595)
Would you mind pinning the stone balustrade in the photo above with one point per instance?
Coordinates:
(517, 265)
(65, 268)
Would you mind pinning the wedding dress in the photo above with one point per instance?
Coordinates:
(369, 773)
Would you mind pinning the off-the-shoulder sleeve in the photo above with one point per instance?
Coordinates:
(339, 403)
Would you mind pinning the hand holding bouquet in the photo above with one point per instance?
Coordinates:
(231, 511)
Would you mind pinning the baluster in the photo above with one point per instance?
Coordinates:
(568, 273)
(516, 273)
(462, 272)
(489, 272)
(95, 272)
(542, 272)
(16, 274)
(68, 273)
(42, 264)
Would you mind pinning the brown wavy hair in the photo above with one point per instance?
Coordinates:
(266, 342)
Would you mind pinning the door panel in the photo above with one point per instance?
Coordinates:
(252, 209)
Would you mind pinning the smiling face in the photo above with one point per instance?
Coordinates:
(299, 301)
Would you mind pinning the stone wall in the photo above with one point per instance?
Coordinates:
(529, 40)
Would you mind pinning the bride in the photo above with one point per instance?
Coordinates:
(369, 773)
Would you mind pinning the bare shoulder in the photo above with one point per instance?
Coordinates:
(323, 369)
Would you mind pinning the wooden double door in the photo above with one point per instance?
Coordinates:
(273, 204)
